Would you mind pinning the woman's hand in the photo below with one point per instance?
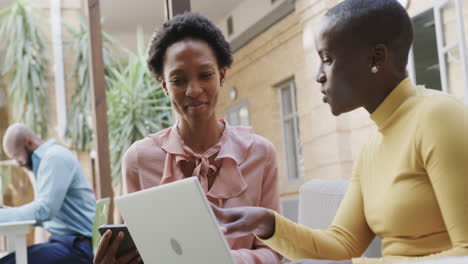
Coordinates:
(106, 253)
(320, 261)
(242, 221)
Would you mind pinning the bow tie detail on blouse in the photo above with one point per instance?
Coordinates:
(222, 160)
(203, 168)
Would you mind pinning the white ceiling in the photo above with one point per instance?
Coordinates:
(122, 17)
(126, 15)
(215, 10)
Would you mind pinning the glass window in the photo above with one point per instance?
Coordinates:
(426, 59)
(292, 146)
(238, 114)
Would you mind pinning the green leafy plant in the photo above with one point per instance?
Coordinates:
(25, 66)
(137, 106)
(79, 128)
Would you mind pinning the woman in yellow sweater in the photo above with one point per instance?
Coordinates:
(410, 183)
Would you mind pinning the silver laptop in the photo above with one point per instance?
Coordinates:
(173, 223)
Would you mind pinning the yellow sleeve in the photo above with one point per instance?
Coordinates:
(347, 237)
(443, 143)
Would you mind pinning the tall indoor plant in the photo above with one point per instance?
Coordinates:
(25, 66)
(137, 106)
(79, 129)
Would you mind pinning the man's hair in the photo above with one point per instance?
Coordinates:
(376, 22)
(187, 25)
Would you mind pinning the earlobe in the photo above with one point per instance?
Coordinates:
(222, 76)
(379, 58)
(163, 83)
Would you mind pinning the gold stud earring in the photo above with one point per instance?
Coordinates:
(375, 69)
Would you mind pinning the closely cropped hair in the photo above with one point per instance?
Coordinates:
(377, 21)
(187, 25)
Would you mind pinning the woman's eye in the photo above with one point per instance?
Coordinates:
(327, 60)
(207, 75)
(177, 81)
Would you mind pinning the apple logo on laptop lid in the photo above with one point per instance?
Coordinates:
(176, 246)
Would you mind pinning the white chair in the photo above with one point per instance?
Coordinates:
(318, 202)
(16, 233)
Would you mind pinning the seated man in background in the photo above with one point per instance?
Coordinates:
(64, 203)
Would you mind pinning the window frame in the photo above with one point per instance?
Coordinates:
(443, 49)
(295, 117)
(236, 108)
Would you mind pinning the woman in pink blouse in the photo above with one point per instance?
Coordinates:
(236, 167)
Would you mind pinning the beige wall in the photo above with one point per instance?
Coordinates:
(330, 144)
(128, 40)
(256, 71)
(245, 15)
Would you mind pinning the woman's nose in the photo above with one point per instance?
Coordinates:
(193, 89)
(321, 78)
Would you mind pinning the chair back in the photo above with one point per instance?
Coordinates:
(318, 202)
(100, 218)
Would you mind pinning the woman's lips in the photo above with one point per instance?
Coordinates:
(196, 106)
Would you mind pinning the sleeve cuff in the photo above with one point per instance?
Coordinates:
(273, 240)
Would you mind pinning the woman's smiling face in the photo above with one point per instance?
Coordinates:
(192, 78)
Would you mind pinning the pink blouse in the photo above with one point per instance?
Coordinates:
(247, 175)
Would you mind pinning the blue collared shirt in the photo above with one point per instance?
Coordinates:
(64, 202)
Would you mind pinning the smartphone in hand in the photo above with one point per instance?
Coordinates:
(127, 243)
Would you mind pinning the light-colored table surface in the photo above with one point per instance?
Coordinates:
(16, 238)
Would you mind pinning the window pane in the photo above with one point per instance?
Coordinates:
(230, 26)
(233, 118)
(290, 149)
(426, 60)
(244, 116)
(286, 99)
(238, 114)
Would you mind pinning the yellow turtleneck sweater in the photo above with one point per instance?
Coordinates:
(409, 187)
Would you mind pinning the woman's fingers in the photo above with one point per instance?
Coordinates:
(249, 220)
(112, 252)
(236, 228)
(102, 248)
(240, 221)
(218, 212)
(230, 220)
(129, 257)
(223, 229)
(227, 215)
(137, 260)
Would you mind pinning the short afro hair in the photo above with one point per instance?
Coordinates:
(377, 22)
(187, 25)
